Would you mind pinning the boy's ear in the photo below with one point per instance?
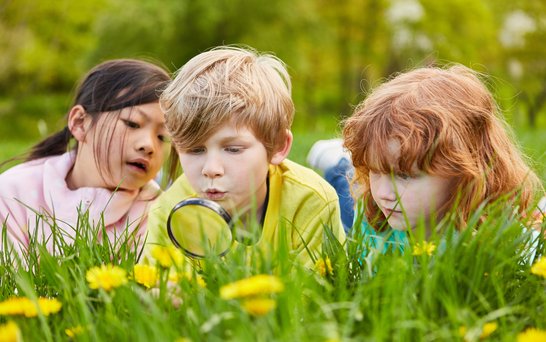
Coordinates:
(281, 154)
(77, 123)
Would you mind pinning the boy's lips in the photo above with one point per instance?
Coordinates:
(214, 194)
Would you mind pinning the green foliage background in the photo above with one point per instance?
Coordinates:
(336, 52)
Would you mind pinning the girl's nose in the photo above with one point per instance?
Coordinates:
(146, 144)
(386, 188)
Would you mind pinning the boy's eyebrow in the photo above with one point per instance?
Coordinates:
(231, 138)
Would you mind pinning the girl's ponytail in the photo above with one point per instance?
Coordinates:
(54, 145)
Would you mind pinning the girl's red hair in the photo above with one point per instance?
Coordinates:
(448, 124)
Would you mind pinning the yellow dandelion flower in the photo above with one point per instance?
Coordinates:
(146, 275)
(182, 339)
(539, 267)
(176, 277)
(10, 332)
(47, 306)
(487, 329)
(106, 277)
(167, 256)
(324, 266)
(259, 306)
(200, 281)
(532, 335)
(256, 285)
(13, 306)
(74, 331)
(28, 308)
(424, 247)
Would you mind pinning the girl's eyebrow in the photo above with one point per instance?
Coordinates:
(147, 117)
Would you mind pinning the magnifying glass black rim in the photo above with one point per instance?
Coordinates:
(217, 208)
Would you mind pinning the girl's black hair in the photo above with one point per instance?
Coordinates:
(108, 87)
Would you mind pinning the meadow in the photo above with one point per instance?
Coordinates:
(486, 285)
(482, 284)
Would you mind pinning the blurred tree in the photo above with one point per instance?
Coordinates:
(173, 31)
(43, 43)
(522, 35)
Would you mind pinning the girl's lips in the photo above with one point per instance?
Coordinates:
(137, 167)
(389, 212)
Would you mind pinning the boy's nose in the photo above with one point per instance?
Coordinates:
(212, 168)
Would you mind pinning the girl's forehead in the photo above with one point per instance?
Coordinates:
(390, 156)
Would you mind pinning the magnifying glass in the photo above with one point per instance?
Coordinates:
(200, 227)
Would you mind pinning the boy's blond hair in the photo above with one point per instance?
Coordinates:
(229, 85)
(448, 125)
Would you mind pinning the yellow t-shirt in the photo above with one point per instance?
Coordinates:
(300, 202)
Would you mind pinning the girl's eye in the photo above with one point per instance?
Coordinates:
(233, 149)
(163, 138)
(403, 176)
(131, 124)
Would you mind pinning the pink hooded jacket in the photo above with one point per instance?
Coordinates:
(39, 187)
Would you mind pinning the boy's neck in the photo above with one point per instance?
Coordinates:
(252, 222)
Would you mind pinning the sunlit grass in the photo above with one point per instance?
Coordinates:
(475, 282)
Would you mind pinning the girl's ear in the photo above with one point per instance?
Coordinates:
(77, 123)
(281, 154)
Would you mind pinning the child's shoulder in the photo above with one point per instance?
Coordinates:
(179, 190)
(25, 172)
(296, 178)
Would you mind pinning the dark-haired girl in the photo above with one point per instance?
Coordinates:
(102, 163)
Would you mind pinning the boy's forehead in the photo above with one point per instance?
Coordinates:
(230, 131)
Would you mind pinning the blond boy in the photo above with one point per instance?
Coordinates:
(229, 112)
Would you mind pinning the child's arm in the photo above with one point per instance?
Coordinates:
(156, 227)
(309, 237)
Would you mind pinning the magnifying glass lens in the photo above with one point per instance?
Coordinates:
(200, 229)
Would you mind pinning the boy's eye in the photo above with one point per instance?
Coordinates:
(195, 150)
(131, 124)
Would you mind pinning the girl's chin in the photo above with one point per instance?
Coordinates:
(397, 225)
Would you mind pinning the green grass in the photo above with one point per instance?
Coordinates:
(470, 280)
(473, 278)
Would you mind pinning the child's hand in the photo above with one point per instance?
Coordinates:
(174, 293)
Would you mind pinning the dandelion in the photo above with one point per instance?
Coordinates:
(259, 306)
(253, 286)
(539, 268)
(175, 278)
(167, 256)
(324, 266)
(74, 331)
(424, 248)
(146, 275)
(47, 306)
(29, 308)
(487, 330)
(532, 335)
(182, 339)
(106, 277)
(10, 332)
